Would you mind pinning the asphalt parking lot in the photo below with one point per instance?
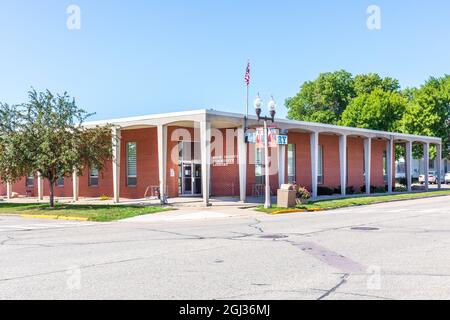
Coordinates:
(394, 250)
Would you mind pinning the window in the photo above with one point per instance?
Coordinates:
(93, 177)
(259, 165)
(291, 163)
(131, 164)
(29, 181)
(320, 166)
(60, 181)
(385, 166)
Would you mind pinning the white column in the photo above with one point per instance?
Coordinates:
(281, 164)
(314, 145)
(8, 190)
(205, 143)
(343, 163)
(242, 158)
(368, 162)
(162, 161)
(439, 164)
(116, 163)
(75, 183)
(426, 163)
(408, 163)
(40, 187)
(389, 162)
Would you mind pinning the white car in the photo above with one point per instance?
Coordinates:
(432, 178)
(447, 178)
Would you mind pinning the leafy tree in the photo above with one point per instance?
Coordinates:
(13, 162)
(378, 110)
(428, 112)
(366, 83)
(49, 135)
(324, 99)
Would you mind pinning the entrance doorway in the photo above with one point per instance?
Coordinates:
(189, 169)
(191, 179)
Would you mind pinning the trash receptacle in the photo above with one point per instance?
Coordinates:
(286, 196)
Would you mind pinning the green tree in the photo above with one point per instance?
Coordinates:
(428, 112)
(324, 99)
(378, 110)
(366, 83)
(49, 135)
(13, 162)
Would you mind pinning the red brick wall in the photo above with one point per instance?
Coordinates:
(146, 160)
(331, 163)
(273, 169)
(302, 158)
(105, 183)
(225, 179)
(376, 176)
(355, 162)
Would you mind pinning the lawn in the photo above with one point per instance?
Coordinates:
(91, 212)
(358, 201)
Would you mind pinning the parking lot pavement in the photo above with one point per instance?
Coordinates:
(386, 251)
(27, 224)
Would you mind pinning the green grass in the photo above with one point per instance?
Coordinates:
(360, 201)
(92, 212)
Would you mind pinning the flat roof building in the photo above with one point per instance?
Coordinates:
(207, 153)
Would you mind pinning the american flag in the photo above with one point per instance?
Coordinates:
(247, 74)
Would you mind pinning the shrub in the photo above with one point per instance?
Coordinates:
(379, 189)
(401, 181)
(357, 191)
(303, 193)
(399, 188)
(324, 191)
(350, 190)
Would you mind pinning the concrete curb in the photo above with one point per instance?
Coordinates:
(54, 217)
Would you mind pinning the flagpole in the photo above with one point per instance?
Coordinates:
(246, 114)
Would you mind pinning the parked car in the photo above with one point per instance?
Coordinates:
(447, 178)
(432, 178)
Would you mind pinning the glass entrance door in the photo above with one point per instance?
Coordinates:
(197, 179)
(191, 179)
(187, 178)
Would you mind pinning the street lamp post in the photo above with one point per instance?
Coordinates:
(272, 106)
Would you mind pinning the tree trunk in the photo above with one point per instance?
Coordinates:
(51, 193)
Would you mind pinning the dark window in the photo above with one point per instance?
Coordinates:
(259, 165)
(320, 166)
(131, 164)
(93, 177)
(291, 163)
(29, 181)
(60, 181)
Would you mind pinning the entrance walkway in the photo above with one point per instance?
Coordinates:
(180, 202)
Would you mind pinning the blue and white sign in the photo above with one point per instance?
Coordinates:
(282, 139)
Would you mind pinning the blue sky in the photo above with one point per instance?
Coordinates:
(142, 57)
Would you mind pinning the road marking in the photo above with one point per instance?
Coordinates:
(39, 226)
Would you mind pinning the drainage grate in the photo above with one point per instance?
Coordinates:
(365, 228)
(273, 236)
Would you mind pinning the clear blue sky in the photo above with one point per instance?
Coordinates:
(143, 57)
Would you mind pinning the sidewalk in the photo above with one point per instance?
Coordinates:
(197, 213)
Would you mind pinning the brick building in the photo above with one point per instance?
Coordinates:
(203, 153)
